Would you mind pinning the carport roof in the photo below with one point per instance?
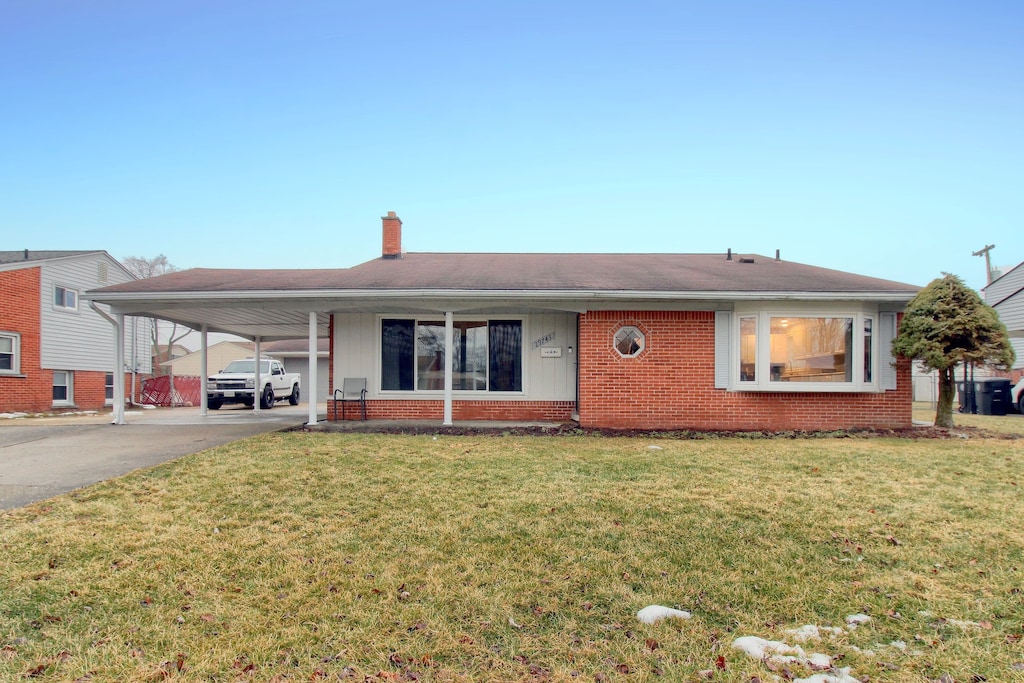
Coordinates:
(275, 304)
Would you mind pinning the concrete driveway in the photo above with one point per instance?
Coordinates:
(44, 457)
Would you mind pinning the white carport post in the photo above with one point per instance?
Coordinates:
(449, 338)
(203, 404)
(313, 381)
(257, 383)
(118, 369)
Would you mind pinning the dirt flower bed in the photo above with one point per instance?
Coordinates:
(574, 430)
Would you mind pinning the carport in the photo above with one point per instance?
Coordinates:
(256, 305)
(279, 304)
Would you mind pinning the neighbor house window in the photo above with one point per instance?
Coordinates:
(10, 353)
(65, 298)
(783, 351)
(487, 355)
(629, 341)
(63, 387)
(108, 387)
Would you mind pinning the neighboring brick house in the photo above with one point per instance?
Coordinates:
(55, 351)
(630, 341)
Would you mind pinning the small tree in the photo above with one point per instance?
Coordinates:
(947, 323)
(143, 267)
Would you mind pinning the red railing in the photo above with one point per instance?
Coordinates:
(157, 391)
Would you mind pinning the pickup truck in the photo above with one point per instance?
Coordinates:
(237, 384)
(1017, 395)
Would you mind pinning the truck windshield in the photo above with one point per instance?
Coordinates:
(247, 367)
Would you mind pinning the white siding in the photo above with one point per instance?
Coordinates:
(82, 339)
(723, 351)
(355, 349)
(886, 361)
(1011, 312)
(1007, 296)
(1004, 286)
(357, 354)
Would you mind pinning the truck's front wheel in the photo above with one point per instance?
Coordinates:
(293, 399)
(213, 404)
(267, 399)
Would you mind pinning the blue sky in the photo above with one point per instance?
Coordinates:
(885, 138)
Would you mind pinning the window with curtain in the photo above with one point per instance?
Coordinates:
(487, 355)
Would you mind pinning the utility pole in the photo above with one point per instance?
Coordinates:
(988, 261)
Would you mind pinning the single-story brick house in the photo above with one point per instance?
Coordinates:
(640, 341)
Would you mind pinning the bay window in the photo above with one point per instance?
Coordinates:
(487, 355)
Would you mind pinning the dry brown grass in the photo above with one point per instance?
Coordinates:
(315, 556)
(1011, 423)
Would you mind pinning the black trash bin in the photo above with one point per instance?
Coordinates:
(993, 395)
(967, 397)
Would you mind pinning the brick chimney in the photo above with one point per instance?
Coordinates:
(392, 236)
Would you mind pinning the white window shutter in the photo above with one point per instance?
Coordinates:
(723, 335)
(886, 361)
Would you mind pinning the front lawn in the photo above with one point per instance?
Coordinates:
(304, 556)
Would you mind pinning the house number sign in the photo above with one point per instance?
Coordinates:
(537, 343)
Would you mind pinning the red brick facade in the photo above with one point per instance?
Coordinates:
(20, 313)
(670, 384)
(32, 389)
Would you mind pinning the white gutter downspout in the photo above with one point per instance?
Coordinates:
(118, 322)
(203, 360)
(257, 381)
(449, 338)
(313, 381)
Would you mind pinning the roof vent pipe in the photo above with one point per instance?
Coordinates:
(26, 254)
(777, 256)
(728, 255)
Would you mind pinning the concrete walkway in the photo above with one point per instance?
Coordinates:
(41, 457)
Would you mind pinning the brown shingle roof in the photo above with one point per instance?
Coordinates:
(534, 272)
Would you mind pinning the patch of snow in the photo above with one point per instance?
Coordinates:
(778, 652)
(963, 624)
(12, 416)
(855, 620)
(655, 448)
(898, 644)
(813, 632)
(835, 676)
(655, 613)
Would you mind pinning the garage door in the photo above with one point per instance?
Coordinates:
(301, 366)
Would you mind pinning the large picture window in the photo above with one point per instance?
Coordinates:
(801, 352)
(811, 349)
(487, 355)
